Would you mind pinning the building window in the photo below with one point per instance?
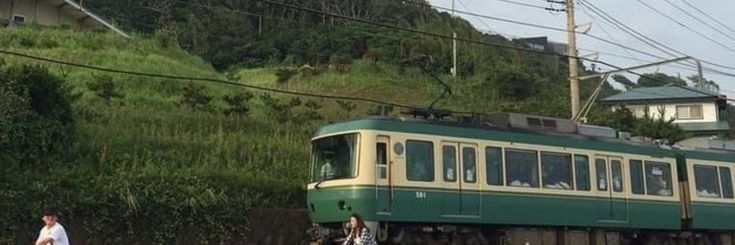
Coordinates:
(18, 20)
(419, 160)
(556, 169)
(582, 169)
(521, 168)
(658, 178)
(493, 156)
(686, 112)
(449, 155)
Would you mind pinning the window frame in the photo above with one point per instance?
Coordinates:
(536, 166)
(500, 168)
(689, 111)
(577, 173)
(670, 182)
(431, 165)
(570, 168)
(474, 163)
(640, 174)
(444, 165)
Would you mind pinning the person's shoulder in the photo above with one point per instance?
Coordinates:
(58, 227)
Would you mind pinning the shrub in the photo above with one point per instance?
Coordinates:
(194, 96)
(104, 87)
(35, 113)
(284, 74)
(237, 104)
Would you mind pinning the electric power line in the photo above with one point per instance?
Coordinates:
(700, 20)
(708, 16)
(685, 26)
(532, 6)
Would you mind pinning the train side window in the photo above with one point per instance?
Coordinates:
(494, 168)
(616, 169)
(381, 152)
(601, 170)
(582, 168)
(469, 164)
(636, 176)
(556, 170)
(419, 160)
(449, 155)
(705, 180)
(521, 168)
(658, 179)
(726, 182)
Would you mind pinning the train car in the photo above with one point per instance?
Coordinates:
(433, 182)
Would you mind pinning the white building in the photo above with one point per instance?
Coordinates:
(694, 110)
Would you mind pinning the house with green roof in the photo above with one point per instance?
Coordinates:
(695, 110)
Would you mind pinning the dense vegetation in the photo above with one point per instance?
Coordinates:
(153, 159)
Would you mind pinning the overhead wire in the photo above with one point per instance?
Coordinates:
(700, 20)
(707, 15)
(685, 26)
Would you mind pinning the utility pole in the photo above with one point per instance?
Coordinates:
(572, 51)
(454, 47)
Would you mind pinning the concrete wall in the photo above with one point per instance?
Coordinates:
(709, 111)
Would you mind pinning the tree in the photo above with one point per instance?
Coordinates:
(709, 85)
(624, 81)
(658, 79)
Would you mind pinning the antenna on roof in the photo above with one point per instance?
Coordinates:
(421, 61)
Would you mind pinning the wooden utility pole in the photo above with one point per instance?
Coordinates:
(454, 47)
(572, 47)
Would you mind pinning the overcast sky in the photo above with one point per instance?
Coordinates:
(631, 13)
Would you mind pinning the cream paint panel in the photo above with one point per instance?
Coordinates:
(709, 111)
(692, 185)
(399, 170)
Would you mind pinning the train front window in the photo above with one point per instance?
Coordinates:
(334, 157)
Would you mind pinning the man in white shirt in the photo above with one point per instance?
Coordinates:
(53, 233)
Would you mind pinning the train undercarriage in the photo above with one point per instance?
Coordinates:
(401, 233)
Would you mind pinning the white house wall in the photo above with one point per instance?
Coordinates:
(709, 111)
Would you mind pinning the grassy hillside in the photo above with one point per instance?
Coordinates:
(144, 157)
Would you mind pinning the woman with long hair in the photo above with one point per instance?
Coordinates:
(359, 233)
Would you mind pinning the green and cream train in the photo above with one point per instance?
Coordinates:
(431, 182)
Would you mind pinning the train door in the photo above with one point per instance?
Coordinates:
(383, 184)
(469, 186)
(610, 180)
(451, 199)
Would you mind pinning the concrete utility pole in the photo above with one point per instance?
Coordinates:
(454, 47)
(573, 73)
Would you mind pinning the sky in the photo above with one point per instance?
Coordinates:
(631, 13)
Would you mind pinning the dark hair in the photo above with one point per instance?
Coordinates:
(360, 224)
(50, 211)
